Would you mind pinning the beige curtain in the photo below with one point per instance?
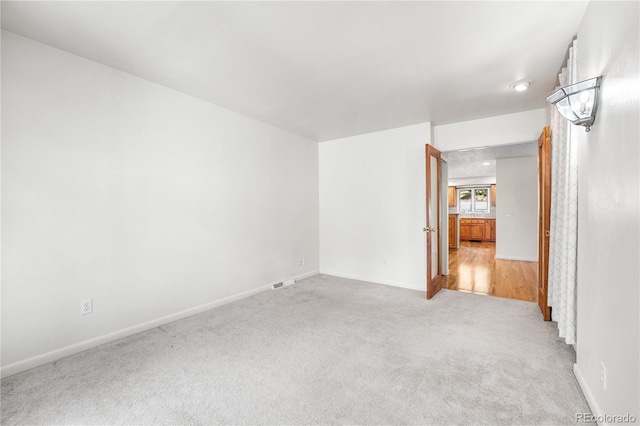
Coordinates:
(564, 213)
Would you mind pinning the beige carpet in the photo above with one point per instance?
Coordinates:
(326, 350)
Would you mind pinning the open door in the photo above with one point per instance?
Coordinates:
(434, 273)
(544, 219)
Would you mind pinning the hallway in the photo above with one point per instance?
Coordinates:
(474, 269)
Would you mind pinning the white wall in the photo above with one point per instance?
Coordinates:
(372, 206)
(153, 203)
(499, 130)
(609, 212)
(517, 211)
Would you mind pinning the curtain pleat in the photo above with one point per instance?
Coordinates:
(564, 213)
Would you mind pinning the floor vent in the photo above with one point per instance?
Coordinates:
(284, 283)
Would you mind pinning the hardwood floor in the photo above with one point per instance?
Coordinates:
(474, 269)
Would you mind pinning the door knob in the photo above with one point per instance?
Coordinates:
(429, 229)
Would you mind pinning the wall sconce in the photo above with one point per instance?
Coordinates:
(578, 102)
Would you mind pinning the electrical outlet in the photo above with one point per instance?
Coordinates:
(301, 261)
(603, 375)
(86, 306)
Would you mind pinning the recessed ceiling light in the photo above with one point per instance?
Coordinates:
(520, 86)
(486, 163)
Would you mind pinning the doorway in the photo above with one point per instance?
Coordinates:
(482, 259)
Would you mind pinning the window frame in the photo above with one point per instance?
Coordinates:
(473, 189)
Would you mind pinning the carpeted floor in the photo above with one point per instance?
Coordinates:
(326, 350)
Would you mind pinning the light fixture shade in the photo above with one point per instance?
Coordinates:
(578, 102)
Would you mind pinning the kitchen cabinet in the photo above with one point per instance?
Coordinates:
(452, 196)
(472, 229)
(453, 234)
(477, 229)
(493, 195)
(465, 230)
(490, 229)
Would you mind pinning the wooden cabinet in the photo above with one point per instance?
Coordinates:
(453, 234)
(471, 229)
(452, 196)
(490, 229)
(477, 229)
(493, 195)
(465, 230)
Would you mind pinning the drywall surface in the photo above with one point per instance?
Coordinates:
(372, 206)
(517, 210)
(150, 202)
(499, 130)
(609, 212)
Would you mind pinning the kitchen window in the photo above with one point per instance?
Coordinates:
(474, 200)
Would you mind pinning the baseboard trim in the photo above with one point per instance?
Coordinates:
(588, 395)
(523, 259)
(55, 355)
(372, 280)
(306, 275)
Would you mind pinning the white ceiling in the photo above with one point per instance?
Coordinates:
(324, 70)
(471, 162)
